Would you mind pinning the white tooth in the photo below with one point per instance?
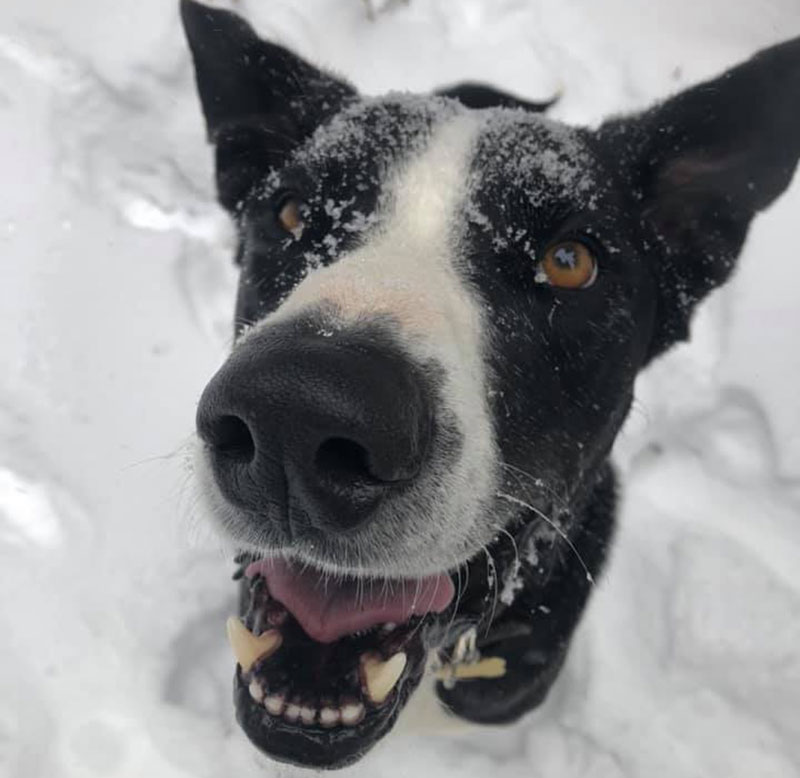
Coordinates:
(248, 648)
(292, 712)
(389, 626)
(329, 717)
(352, 713)
(381, 677)
(274, 704)
(308, 715)
(256, 692)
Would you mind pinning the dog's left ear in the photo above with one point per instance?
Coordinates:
(702, 165)
(259, 99)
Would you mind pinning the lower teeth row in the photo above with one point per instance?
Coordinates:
(348, 714)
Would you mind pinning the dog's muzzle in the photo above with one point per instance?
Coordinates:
(311, 429)
(311, 433)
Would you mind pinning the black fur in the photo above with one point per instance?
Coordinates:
(665, 198)
(533, 634)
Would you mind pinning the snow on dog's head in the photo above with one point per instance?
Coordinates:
(442, 309)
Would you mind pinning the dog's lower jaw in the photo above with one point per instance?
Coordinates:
(314, 748)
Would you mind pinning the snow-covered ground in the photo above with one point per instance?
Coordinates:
(115, 296)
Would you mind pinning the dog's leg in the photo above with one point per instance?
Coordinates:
(533, 635)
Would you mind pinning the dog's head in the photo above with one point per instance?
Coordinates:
(442, 310)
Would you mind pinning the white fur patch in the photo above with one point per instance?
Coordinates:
(406, 268)
(406, 274)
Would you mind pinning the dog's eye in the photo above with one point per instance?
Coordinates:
(568, 265)
(290, 216)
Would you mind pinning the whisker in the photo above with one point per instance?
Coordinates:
(513, 540)
(538, 482)
(360, 582)
(492, 568)
(181, 448)
(460, 592)
(560, 532)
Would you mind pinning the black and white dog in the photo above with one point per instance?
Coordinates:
(444, 302)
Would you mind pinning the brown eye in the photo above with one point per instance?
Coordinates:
(289, 216)
(568, 265)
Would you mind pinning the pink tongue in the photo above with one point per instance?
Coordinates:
(329, 609)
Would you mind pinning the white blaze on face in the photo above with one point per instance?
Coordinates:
(406, 273)
(405, 269)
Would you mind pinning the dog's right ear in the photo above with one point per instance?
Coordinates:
(700, 166)
(259, 99)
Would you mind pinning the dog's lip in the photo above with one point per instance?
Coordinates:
(286, 679)
(330, 608)
(314, 747)
(305, 673)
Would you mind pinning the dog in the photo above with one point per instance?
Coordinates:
(443, 304)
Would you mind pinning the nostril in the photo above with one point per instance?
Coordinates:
(342, 460)
(230, 436)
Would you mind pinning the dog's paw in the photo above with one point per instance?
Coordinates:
(479, 692)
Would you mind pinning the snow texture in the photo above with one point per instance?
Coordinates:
(115, 303)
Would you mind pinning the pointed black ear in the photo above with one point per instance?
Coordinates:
(704, 163)
(259, 99)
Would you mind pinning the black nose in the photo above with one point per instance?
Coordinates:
(315, 427)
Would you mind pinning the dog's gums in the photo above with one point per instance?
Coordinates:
(443, 306)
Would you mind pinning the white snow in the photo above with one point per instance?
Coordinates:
(115, 302)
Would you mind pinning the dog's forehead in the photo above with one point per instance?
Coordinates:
(512, 150)
(370, 134)
(525, 152)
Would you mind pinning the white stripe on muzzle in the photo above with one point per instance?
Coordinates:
(406, 273)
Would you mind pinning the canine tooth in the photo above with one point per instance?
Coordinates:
(275, 704)
(352, 713)
(381, 677)
(292, 712)
(256, 691)
(329, 717)
(248, 648)
(308, 715)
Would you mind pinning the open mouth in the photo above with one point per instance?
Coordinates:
(325, 664)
